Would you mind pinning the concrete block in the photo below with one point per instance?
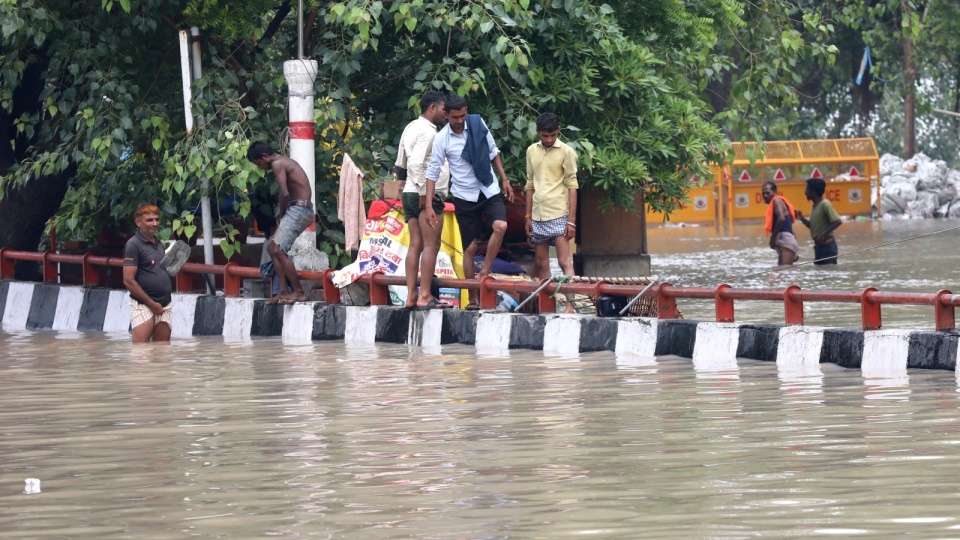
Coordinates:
(267, 319)
(758, 342)
(526, 332)
(210, 312)
(676, 337)
(43, 308)
(329, 322)
(94, 309)
(598, 334)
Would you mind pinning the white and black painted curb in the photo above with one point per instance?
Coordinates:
(34, 306)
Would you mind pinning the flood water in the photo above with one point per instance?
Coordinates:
(915, 258)
(338, 440)
(341, 440)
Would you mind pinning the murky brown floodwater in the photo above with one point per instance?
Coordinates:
(332, 440)
(699, 257)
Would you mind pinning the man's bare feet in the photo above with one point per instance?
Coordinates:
(299, 297)
(273, 300)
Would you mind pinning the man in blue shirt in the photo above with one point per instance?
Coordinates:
(466, 144)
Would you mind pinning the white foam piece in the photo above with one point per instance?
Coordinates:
(184, 315)
(716, 346)
(361, 325)
(637, 337)
(493, 331)
(298, 323)
(425, 328)
(798, 352)
(69, 302)
(19, 298)
(237, 319)
(885, 354)
(562, 334)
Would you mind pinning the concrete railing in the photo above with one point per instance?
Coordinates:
(793, 298)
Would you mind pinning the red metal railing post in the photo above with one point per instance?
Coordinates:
(596, 291)
(6, 265)
(944, 314)
(792, 309)
(667, 305)
(184, 281)
(724, 306)
(379, 294)
(869, 310)
(231, 283)
(91, 277)
(49, 269)
(488, 296)
(546, 302)
(331, 294)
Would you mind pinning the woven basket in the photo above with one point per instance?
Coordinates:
(647, 306)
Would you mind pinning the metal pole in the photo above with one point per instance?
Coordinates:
(206, 218)
(185, 75)
(653, 279)
(534, 293)
(300, 30)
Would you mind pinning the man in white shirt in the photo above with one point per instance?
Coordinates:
(475, 191)
(413, 155)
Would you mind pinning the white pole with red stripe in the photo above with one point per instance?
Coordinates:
(300, 75)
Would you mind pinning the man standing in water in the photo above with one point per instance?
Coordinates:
(824, 219)
(296, 214)
(779, 225)
(151, 315)
(467, 145)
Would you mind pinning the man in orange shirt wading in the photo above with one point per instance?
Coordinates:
(779, 225)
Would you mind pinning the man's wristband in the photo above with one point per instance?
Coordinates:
(570, 223)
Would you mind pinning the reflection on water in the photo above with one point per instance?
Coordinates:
(338, 440)
(699, 257)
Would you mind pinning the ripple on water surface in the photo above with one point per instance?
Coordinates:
(892, 256)
(334, 439)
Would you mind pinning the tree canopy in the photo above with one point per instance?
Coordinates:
(649, 92)
(834, 102)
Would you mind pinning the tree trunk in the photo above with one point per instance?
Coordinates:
(26, 211)
(909, 82)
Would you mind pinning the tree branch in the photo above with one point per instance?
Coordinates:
(274, 25)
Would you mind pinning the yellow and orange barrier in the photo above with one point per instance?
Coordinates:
(851, 168)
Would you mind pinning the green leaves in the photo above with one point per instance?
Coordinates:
(634, 77)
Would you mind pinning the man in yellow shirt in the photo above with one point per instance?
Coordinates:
(551, 198)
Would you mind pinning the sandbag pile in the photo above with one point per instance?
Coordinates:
(918, 187)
